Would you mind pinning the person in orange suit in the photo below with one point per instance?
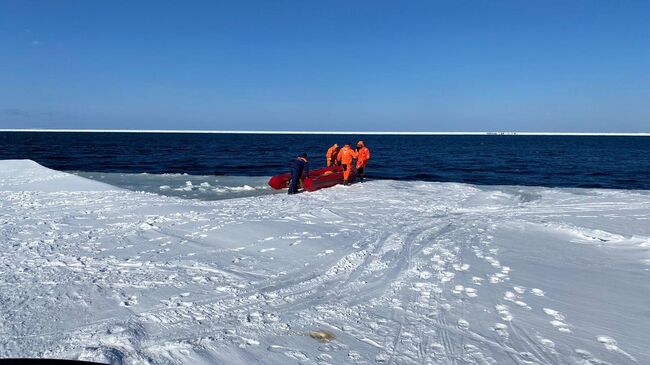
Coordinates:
(362, 159)
(345, 158)
(331, 155)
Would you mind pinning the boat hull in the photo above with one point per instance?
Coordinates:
(316, 179)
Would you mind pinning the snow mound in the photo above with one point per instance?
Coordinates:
(27, 175)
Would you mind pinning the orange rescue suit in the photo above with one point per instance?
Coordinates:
(364, 156)
(345, 157)
(331, 155)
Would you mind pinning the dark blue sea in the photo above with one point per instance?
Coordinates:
(555, 161)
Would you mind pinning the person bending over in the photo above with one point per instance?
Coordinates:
(331, 154)
(299, 168)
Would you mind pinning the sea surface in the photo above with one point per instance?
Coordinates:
(554, 161)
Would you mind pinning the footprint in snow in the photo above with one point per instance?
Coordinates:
(498, 278)
(509, 296)
(519, 289)
(492, 261)
(528, 357)
(558, 320)
(458, 289)
(130, 301)
(589, 358)
(547, 343)
(249, 342)
(503, 312)
(512, 297)
(553, 313)
(326, 252)
(459, 267)
(382, 357)
(463, 324)
(523, 304)
(537, 292)
(267, 249)
(471, 292)
(611, 345)
(446, 276)
(501, 329)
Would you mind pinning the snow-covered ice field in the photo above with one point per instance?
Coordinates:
(398, 272)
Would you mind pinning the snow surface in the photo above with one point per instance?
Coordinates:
(397, 272)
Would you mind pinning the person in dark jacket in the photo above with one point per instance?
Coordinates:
(299, 168)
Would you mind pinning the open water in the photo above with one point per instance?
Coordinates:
(564, 161)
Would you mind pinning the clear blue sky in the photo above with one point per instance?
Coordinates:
(563, 66)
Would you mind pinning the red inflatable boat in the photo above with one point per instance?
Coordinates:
(317, 179)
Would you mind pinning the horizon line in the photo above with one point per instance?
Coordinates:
(396, 133)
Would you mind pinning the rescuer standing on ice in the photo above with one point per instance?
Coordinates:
(345, 157)
(299, 167)
(363, 155)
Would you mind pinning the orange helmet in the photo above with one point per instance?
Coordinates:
(360, 144)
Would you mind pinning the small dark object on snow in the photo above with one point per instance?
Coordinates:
(322, 336)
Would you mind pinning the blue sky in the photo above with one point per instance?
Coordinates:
(553, 66)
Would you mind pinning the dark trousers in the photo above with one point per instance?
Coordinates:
(361, 171)
(295, 179)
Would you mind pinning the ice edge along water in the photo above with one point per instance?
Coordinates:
(398, 272)
(204, 187)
